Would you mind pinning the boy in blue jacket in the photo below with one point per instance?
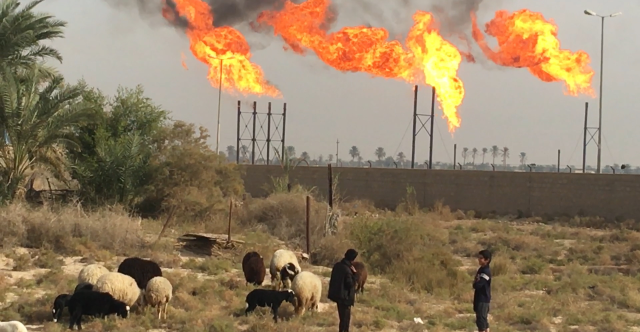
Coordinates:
(482, 293)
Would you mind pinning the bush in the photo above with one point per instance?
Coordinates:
(408, 251)
(68, 230)
(284, 216)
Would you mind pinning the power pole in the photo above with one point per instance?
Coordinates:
(337, 151)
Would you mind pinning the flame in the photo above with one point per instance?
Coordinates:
(184, 64)
(426, 56)
(220, 48)
(526, 39)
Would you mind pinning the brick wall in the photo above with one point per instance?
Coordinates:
(605, 195)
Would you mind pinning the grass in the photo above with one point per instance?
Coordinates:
(548, 274)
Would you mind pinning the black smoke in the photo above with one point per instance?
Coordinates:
(225, 12)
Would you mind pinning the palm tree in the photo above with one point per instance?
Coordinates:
(22, 32)
(495, 152)
(401, 158)
(354, 152)
(505, 155)
(380, 154)
(305, 156)
(465, 152)
(39, 114)
(474, 154)
(484, 153)
(523, 158)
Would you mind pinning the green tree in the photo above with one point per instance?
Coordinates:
(39, 115)
(188, 175)
(505, 155)
(401, 158)
(523, 158)
(231, 153)
(22, 32)
(305, 156)
(291, 151)
(354, 152)
(474, 154)
(465, 153)
(495, 152)
(114, 165)
(380, 153)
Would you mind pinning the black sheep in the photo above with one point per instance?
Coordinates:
(287, 273)
(253, 268)
(62, 300)
(83, 286)
(141, 270)
(59, 304)
(268, 298)
(95, 304)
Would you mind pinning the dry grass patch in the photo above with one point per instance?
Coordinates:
(67, 230)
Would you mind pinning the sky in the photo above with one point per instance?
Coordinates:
(110, 46)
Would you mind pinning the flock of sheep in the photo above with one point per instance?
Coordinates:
(100, 292)
(138, 281)
(290, 284)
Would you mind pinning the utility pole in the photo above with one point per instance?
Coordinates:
(337, 151)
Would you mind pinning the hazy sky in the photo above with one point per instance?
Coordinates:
(503, 106)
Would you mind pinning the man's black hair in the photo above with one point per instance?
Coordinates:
(486, 254)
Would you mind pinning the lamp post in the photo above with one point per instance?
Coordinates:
(219, 101)
(592, 13)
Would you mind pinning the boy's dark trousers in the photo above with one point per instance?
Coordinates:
(482, 314)
(344, 313)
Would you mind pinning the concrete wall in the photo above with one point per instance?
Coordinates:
(605, 195)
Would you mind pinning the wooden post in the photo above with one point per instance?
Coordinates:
(308, 210)
(330, 187)
(230, 213)
(166, 224)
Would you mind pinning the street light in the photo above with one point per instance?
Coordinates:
(219, 100)
(592, 13)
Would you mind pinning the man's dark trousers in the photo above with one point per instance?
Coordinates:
(344, 313)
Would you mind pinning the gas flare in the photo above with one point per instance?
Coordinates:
(526, 39)
(426, 56)
(220, 47)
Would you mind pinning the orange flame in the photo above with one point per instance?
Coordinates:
(184, 64)
(223, 47)
(426, 56)
(526, 39)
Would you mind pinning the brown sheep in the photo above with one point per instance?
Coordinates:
(253, 268)
(361, 276)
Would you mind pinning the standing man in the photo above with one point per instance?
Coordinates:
(342, 288)
(482, 293)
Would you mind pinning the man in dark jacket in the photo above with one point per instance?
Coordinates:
(482, 293)
(342, 288)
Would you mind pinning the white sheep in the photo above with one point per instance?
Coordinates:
(158, 294)
(279, 259)
(12, 326)
(121, 286)
(308, 289)
(91, 273)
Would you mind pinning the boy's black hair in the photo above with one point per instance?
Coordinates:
(486, 254)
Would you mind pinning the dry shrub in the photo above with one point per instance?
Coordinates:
(65, 229)
(410, 251)
(330, 250)
(358, 207)
(284, 217)
(443, 212)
